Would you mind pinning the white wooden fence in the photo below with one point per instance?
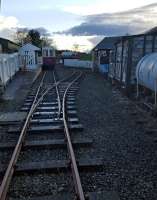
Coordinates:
(9, 65)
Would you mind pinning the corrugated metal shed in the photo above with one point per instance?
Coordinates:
(128, 52)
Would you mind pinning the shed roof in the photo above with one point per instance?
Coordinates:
(106, 43)
(30, 46)
(152, 31)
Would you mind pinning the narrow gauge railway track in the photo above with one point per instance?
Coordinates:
(32, 106)
(51, 109)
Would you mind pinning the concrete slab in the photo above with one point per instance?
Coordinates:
(17, 90)
(12, 117)
(105, 195)
(47, 129)
(20, 79)
(58, 143)
(63, 196)
(92, 196)
(55, 165)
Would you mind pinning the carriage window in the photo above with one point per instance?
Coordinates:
(47, 53)
(51, 52)
(44, 53)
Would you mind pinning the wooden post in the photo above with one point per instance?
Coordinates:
(129, 66)
(137, 86)
(155, 102)
(115, 65)
(99, 56)
(121, 71)
(144, 45)
(93, 60)
(153, 43)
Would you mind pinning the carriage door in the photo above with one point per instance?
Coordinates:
(29, 58)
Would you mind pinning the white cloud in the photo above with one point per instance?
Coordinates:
(105, 6)
(8, 22)
(132, 21)
(67, 42)
(8, 26)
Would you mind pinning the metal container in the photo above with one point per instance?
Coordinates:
(146, 71)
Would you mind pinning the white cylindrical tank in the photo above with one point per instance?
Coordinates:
(146, 71)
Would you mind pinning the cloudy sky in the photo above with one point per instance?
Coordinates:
(83, 22)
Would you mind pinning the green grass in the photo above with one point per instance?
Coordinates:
(87, 57)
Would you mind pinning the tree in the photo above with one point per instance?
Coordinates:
(20, 36)
(35, 37)
(46, 42)
(76, 47)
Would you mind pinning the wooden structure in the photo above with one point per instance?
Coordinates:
(7, 46)
(101, 52)
(30, 56)
(126, 55)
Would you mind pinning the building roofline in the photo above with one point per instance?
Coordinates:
(114, 37)
(9, 41)
(133, 36)
(125, 37)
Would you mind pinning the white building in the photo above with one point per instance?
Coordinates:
(30, 56)
(68, 53)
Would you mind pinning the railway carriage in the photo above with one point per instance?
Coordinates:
(49, 58)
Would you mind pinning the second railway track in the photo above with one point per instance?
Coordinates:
(46, 144)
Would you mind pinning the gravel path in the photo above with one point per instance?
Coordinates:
(120, 139)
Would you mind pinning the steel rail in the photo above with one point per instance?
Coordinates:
(50, 88)
(73, 163)
(12, 164)
(39, 88)
(58, 96)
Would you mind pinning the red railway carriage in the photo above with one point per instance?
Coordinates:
(49, 58)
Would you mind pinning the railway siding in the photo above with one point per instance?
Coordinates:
(114, 145)
(38, 156)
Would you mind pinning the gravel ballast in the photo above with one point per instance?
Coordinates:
(119, 136)
(120, 139)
